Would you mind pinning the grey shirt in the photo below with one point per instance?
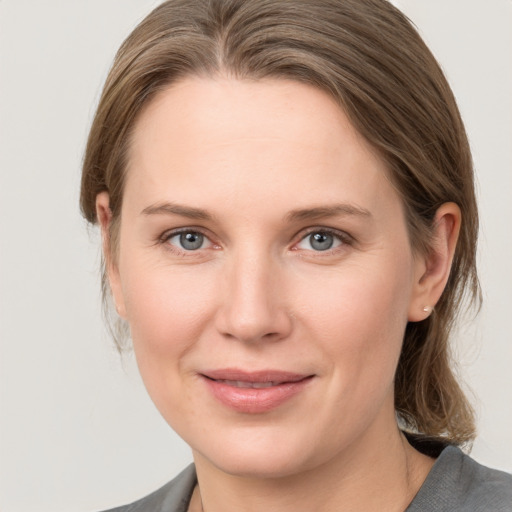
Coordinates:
(456, 483)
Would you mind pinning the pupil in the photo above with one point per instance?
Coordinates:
(191, 241)
(321, 241)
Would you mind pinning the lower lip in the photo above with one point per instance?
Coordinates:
(255, 400)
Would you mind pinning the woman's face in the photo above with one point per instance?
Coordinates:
(265, 270)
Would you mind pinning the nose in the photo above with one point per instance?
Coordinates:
(254, 302)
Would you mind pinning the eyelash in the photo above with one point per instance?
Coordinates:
(343, 237)
(166, 236)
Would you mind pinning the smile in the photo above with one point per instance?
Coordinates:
(254, 385)
(254, 392)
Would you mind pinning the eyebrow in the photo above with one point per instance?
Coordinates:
(302, 214)
(322, 212)
(177, 209)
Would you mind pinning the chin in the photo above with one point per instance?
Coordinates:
(261, 455)
(259, 465)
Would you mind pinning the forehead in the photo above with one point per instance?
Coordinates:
(259, 139)
(216, 107)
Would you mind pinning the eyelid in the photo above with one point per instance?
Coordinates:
(171, 233)
(343, 236)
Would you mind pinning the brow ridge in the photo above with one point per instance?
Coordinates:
(166, 208)
(301, 214)
(327, 211)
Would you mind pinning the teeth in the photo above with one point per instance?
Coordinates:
(243, 384)
(262, 384)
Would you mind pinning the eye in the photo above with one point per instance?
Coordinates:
(189, 240)
(320, 240)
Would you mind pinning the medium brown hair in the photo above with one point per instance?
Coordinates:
(365, 54)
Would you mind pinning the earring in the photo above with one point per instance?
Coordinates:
(428, 309)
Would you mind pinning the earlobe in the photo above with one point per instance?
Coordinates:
(433, 269)
(104, 216)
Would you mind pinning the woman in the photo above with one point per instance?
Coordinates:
(286, 198)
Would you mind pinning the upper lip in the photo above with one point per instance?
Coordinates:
(234, 374)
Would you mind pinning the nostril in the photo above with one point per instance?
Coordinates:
(251, 333)
(251, 337)
(250, 312)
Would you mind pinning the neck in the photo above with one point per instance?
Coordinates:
(373, 475)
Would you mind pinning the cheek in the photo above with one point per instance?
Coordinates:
(167, 309)
(357, 319)
(359, 315)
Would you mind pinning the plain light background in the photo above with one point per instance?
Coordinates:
(77, 431)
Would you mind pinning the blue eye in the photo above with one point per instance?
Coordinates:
(189, 240)
(320, 241)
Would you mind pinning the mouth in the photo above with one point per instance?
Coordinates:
(254, 392)
(252, 385)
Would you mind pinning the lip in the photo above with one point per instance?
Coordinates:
(254, 392)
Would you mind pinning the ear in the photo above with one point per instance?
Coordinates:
(104, 216)
(433, 269)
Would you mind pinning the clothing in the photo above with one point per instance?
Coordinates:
(172, 497)
(456, 483)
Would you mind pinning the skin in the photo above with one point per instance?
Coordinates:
(257, 295)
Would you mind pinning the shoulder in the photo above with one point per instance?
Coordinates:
(172, 497)
(459, 483)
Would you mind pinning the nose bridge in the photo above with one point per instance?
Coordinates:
(254, 303)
